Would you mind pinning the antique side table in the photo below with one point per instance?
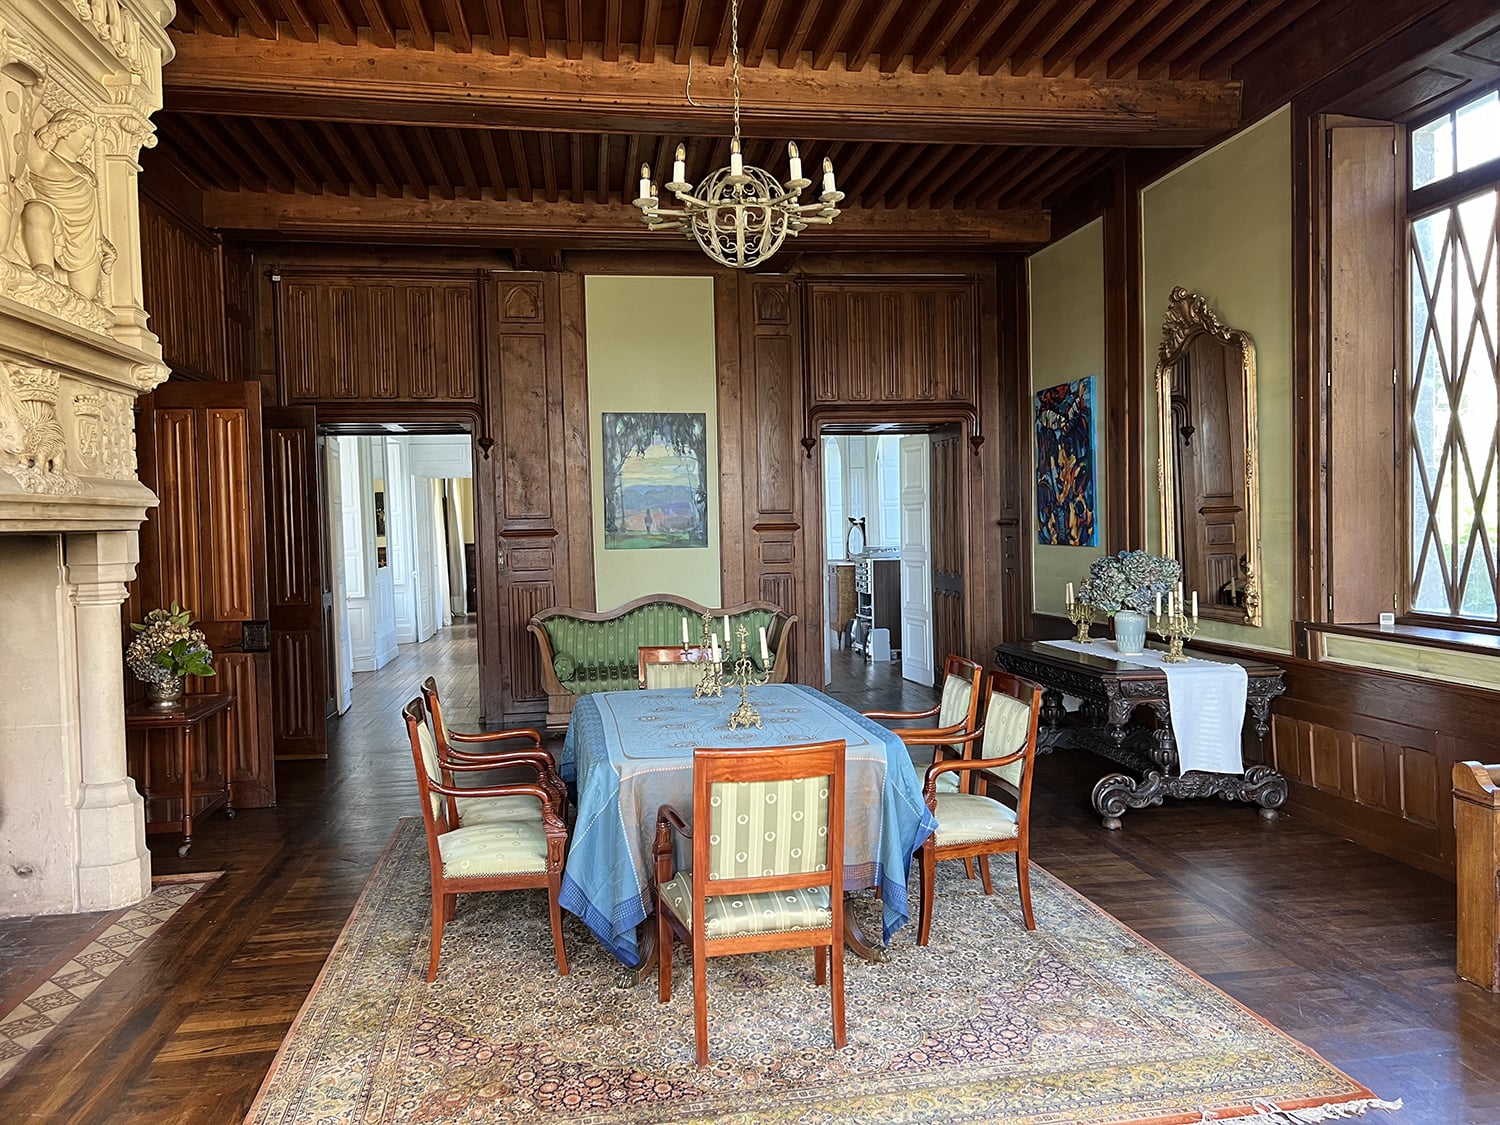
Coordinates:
(183, 725)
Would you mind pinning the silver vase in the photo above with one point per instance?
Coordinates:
(164, 695)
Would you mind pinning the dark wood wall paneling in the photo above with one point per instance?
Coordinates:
(183, 283)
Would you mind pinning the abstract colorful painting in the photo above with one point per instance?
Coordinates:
(655, 481)
(1066, 514)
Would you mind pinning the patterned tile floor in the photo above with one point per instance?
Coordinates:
(36, 1009)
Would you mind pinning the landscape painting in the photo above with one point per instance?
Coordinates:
(655, 481)
(1066, 514)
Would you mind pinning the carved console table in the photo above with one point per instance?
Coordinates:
(1111, 689)
(182, 725)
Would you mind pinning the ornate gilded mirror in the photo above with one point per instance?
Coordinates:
(1208, 476)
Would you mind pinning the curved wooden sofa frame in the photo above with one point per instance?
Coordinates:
(560, 700)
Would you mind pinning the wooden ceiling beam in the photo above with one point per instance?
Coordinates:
(650, 26)
(612, 31)
(364, 137)
(718, 55)
(1004, 49)
(609, 225)
(1167, 54)
(455, 139)
(687, 31)
(521, 166)
(628, 185)
(303, 26)
(575, 166)
(410, 176)
(823, 56)
(312, 151)
(957, 60)
(274, 142)
(1095, 57)
(917, 23)
(1083, 34)
(458, 26)
(755, 47)
(1267, 28)
(416, 23)
(216, 17)
(492, 163)
(900, 192)
(573, 28)
(1004, 178)
(494, 19)
(263, 24)
(346, 158)
(791, 51)
(927, 55)
(856, 59)
(250, 77)
(1134, 39)
(338, 21)
(240, 173)
(601, 170)
(1031, 50)
(536, 29)
(943, 194)
(380, 27)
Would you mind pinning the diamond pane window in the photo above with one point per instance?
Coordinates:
(1453, 408)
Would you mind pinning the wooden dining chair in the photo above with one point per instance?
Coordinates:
(669, 666)
(767, 866)
(976, 825)
(520, 852)
(956, 712)
(520, 748)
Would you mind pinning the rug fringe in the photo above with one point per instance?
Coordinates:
(1267, 1113)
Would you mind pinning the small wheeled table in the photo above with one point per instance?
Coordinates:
(182, 725)
(1111, 688)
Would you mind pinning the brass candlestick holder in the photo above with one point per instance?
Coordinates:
(745, 674)
(1081, 614)
(1176, 628)
(711, 674)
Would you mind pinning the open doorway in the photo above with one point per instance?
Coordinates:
(400, 531)
(892, 551)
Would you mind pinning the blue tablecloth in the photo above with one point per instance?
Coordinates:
(629, 752)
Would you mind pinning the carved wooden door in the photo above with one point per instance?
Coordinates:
(300, 602)
(199, 448)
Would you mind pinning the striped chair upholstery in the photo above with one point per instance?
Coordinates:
(956, 714)
(974, 824)
(767, 867)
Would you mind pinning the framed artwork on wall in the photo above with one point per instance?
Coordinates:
(655, 480)
(1066, 509)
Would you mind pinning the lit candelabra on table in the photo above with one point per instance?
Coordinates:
(1176, 626)
(1081, 614)
(745, 674)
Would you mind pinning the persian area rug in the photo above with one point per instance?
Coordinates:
(1079, 1022)
(36, 1009)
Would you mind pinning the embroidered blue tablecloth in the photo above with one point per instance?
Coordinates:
(629, 752)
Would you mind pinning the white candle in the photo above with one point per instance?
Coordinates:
(1068, 594)
(1195, 605)
(645, 181)
(714, 647)
(765, 653)
(679, 165)
(726, 631)
(794, 159)
(684, 633)
(736, 165)
(1179, 595)
(1158, 603)
(828, 188)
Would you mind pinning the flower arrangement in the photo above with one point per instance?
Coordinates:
(1129, 580)
(166, 647)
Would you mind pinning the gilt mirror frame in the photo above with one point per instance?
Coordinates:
(1187, 318)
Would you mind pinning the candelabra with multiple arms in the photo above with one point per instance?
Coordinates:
(1081, 614)
(745, 674)
(1176, 626)
(711, 671)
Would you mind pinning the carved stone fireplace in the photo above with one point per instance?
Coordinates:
(79, 80)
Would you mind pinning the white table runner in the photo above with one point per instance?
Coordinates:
(1207, 700)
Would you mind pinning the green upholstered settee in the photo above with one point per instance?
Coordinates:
(583, 652)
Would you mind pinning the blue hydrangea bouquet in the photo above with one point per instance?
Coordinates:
(1129, 580)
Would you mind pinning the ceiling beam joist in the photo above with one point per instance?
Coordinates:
(444, 87)
(608, 225)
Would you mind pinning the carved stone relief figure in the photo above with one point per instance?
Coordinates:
(60, 218)
(33, 447)
(21, 74)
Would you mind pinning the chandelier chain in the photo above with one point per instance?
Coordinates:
(734, 52)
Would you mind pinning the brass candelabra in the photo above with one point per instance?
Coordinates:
(711, 673)
(1081, 614)
(745, 674)
(1175, 627)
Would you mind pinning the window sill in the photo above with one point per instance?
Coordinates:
(1420, 636)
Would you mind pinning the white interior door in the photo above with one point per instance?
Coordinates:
(916, 562)
(343, 658)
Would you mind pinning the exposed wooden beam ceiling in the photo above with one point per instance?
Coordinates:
(443, 86)
(600, 225)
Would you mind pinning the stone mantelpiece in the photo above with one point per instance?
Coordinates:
(79, 81)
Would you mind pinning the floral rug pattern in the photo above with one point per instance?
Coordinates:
(1079, 1021)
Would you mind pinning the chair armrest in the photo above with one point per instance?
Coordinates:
(927, 714)
(929, 784)
(497, 735)
(668, 820)
(533, 756)
(938, 736)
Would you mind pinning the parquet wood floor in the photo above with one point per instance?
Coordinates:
(1348, 951)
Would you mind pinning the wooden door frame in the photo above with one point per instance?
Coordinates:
(889, 418)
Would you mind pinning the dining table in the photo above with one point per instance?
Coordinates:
(627, 753)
